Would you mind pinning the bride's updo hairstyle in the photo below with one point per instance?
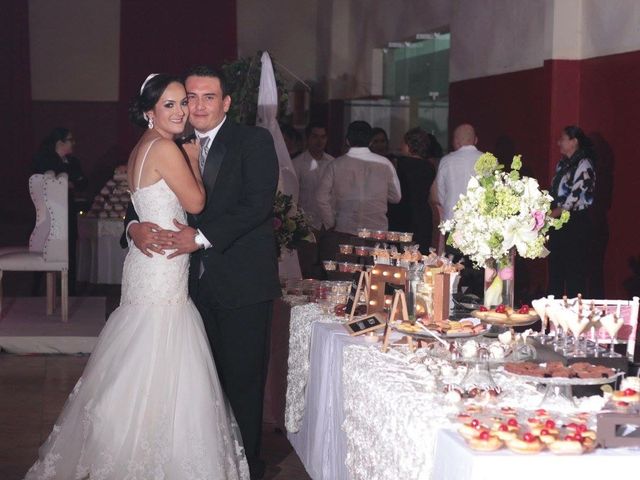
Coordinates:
(151, 91)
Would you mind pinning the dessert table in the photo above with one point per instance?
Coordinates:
(454, 461)
(354, 412)
(100, 257)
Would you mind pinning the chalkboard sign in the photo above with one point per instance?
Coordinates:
(365, 324)
(351, 300)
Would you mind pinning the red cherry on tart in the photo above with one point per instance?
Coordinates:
(483, 308)
(550, 424)
(485, 442)
(501, 309)
(547, 436)
(527, 445)
(524, 309)
(475, 422)
(512, 422)
(628, 395)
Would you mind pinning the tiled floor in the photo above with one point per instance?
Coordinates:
(33, 389)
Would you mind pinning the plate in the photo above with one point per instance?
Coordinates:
(492, 319)
(422, 333)
(566, 380)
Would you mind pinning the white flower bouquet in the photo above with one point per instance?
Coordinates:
(501, 212)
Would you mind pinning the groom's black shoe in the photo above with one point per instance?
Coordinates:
(256, 468)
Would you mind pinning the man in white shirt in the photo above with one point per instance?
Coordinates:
(355, 188)
(454, 172)
(310, 165)
(456, 169)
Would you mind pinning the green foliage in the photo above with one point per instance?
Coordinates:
(243, 76)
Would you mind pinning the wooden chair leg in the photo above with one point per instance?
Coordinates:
(51, 292)
(64, 294)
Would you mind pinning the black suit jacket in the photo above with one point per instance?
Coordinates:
(241, 178)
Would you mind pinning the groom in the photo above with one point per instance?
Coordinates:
(233, 271)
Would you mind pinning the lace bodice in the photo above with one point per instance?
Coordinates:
(155, 280)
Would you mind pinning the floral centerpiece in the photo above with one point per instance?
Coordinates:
(500, 215)
(290, 224)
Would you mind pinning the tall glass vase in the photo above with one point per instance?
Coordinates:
(499, 280)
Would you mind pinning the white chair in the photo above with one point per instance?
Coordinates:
(48, 249)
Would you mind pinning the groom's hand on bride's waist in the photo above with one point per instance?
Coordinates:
(181, 242)
(148, 238)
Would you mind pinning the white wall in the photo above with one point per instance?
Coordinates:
(490, 37)
(285, 28)
(610, 27)
(74, 49)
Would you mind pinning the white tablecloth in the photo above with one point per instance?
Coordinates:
(454, 461)
(319, 440)
(99, 255)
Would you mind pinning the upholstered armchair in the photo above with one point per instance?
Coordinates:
(48, 249)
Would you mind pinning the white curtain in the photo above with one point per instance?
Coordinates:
(289, 266)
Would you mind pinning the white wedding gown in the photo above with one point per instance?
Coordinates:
(149, 405)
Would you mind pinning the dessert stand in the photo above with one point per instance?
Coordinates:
(560, 389)
(478, 369)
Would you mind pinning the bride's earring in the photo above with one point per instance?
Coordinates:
(150, 123)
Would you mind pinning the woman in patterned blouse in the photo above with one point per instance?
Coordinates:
(573, 190)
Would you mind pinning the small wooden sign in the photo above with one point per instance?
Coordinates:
(399, 306)
(365, 324)
(358, 287)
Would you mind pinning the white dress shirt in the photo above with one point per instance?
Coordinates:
(359, 184)
(309, 172)
(454, 172)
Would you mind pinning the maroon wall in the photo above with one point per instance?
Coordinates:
(15, 100)
(523, 112)
(166, 36)
(610, 114)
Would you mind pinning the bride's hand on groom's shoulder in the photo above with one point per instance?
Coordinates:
(148, 238)
(183, 241)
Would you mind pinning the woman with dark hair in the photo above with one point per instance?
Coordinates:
(149, 403)
(416, 174)
(572, 189)
(56, 153)
(379, 142)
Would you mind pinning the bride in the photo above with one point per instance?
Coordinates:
(149, 404)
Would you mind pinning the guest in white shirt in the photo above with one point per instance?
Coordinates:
(310, 165)
(355, 188)
(455, 170)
